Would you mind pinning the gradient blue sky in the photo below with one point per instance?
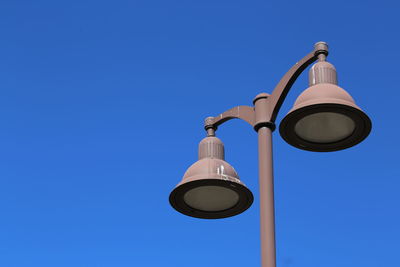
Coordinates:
(101, 111)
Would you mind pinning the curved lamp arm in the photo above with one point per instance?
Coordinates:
(273, 102)
(285, 84)
(283, 87)
(245, 113)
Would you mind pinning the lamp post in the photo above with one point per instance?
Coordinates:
(324, 118)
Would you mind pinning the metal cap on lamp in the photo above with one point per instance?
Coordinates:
(211, 188)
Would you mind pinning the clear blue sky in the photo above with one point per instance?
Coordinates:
(101, 110)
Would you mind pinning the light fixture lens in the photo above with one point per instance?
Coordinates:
(211, 198)
(324, 127)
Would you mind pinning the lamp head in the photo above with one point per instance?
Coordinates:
(211, 188)
(324, 117)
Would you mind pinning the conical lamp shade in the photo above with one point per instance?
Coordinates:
(324, 117)
(211, 188)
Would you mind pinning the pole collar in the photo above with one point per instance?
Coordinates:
(267, 124)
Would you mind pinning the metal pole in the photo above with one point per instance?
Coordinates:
(267, 211)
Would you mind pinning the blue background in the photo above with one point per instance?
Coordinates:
(101, 110)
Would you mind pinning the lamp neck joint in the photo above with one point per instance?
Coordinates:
(263, 112)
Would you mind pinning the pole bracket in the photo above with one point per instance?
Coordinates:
(267, 106)
(245, 113)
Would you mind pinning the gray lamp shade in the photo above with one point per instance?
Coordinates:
(324, 127)
(211, 198)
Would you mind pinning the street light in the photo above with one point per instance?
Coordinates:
(210, 188)
(323, 118)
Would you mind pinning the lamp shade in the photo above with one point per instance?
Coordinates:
(324, 117)
(211, 188)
